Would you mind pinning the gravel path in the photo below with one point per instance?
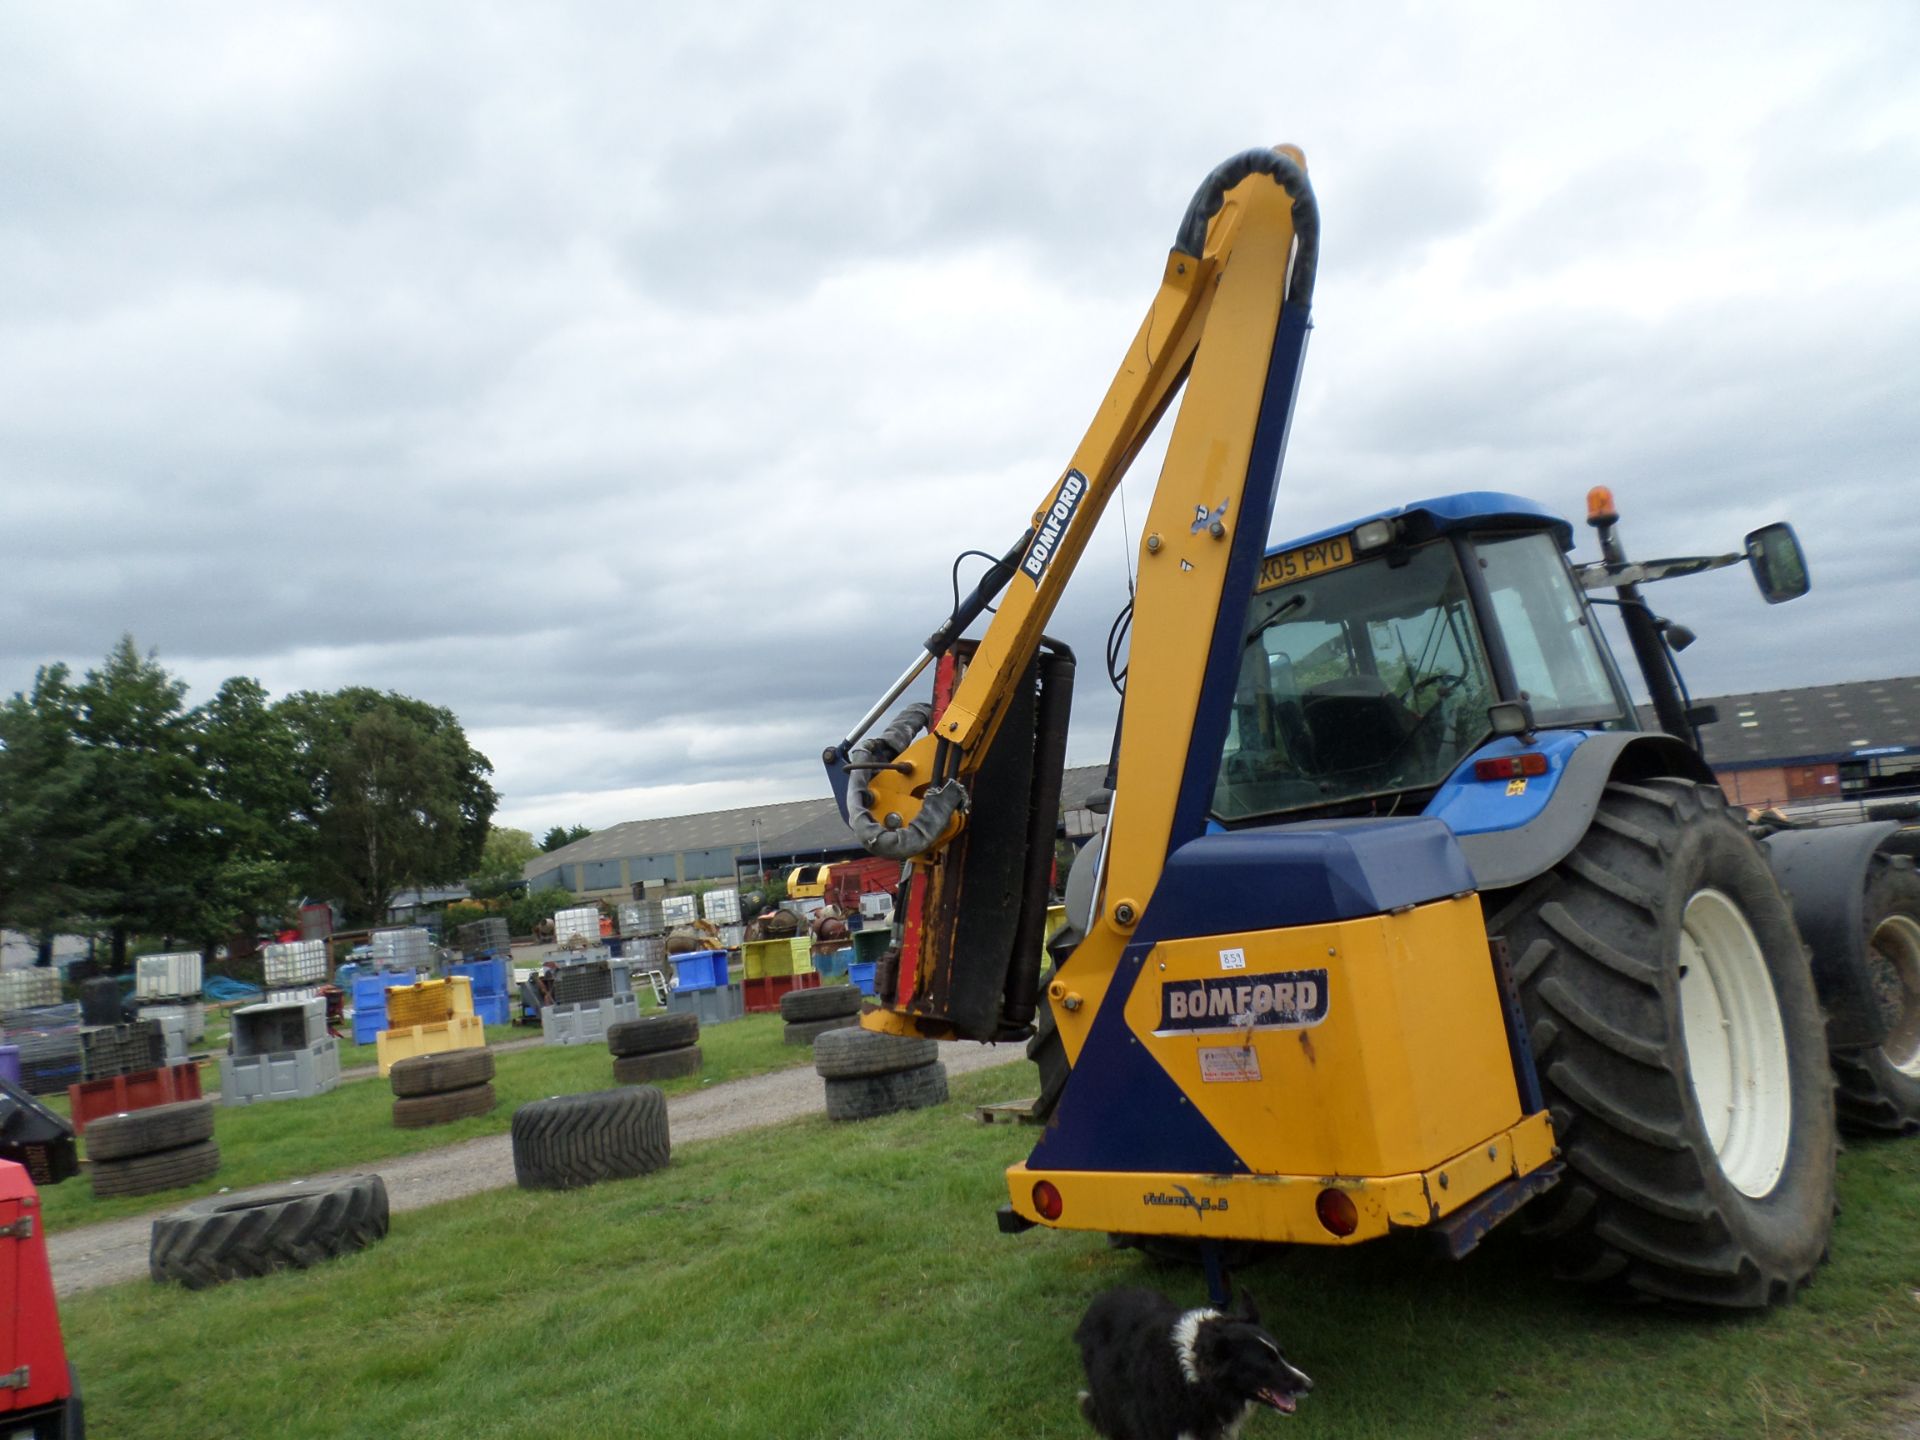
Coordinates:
(116, 1251)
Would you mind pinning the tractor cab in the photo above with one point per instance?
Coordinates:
(1374, 656)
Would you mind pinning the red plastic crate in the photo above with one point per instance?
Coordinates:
(91, 1099)
(34, 1360)
(764, 993)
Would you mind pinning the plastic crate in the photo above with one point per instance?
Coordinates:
(25, 989)
(580, 923)
(573, 984)
(269, 1029)
(282, 1075)
(91, 1099)
(10, 1063)
(586, 1022)
(109, 1050)
(642, 917)
(429, 1002)
(700, 970)
(832, 964)
(715, 1005)
(764, 994)
(480, 938)
(860, 973)
(464, 1032)
(173, 976)
(487, 977)
(722, 907)
(493, 1009)
(370, 1002)
(296, 962)
(792, 956)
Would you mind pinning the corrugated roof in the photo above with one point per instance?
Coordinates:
(1816, 722)
(714, 830)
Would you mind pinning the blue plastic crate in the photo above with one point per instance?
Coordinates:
(833, 964)
(489, 977)
(699, 970)
(861, 974)
(370, 1001)
(492, 1009)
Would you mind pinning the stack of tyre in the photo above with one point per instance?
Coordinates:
(140, 1152)
(276, 1227)
(811, 1013)
(654, 1047)
(566, 1141)
(869, 1074)
(436, 1089)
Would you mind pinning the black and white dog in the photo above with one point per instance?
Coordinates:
(1157, 1372)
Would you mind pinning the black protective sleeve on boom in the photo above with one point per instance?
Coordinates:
(1057, 667)
(1212, 194)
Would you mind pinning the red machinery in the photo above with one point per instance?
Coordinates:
(38, 1397)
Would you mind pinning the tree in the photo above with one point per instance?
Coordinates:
(558, 836)
(394, 794)
(48, 807)
(250, 791)
(502, 860)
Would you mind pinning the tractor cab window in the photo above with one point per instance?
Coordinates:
(1361, 681)
(1548, 633)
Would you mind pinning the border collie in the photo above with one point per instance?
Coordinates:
(1157, 1372)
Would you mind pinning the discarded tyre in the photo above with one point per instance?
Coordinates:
(145, 1132)
(441, 1074)
(417, 1112)
(867, 1096)
(275, 1227)
(1877, 1088)
(160, 1170)
(805, 1032)
(651, 1033)
(573, 1140)
(846, 1054)
(656, 1065)
(1682, 1052)
(799, 1006)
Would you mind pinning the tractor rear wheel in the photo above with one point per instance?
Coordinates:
(1682, 1051)
(1878, 1089)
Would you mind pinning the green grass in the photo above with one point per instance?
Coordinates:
(353, 1124)
(821, 1281)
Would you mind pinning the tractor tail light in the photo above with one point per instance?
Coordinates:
(1046, 1199)
(1337, 1212)
(1510, 767)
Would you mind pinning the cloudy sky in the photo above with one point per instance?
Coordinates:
(625, 377)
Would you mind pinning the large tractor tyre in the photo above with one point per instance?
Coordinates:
(573, 1140)
(274, 1227)
(656, 1065)
(417, 1112)
(1683, 1055)
(651, 1034)
(1877, 1088)
(829, 1002)
(418, 1076)
(152, 1173)
(805, 1032)
(850, 1053)
(149, 1131)
(868, 1097)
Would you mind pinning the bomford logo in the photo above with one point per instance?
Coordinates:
(1185, 1199)
(1053, 526)
(1287, 1000)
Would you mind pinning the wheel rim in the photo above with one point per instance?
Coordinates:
(1736, 1043)
(1895, 954)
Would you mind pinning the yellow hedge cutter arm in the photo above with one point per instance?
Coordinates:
(972, 803)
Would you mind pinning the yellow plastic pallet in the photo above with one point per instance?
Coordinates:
(465, 1032)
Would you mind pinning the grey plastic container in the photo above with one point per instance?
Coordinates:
(282, 1075)
(270, 1029)
(586, 1023)
(715, 1005)
(189, 1019)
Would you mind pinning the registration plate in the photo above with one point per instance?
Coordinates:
(1305, 562)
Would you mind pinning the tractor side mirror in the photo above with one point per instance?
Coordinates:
(1779, 564)
(1511, 717)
